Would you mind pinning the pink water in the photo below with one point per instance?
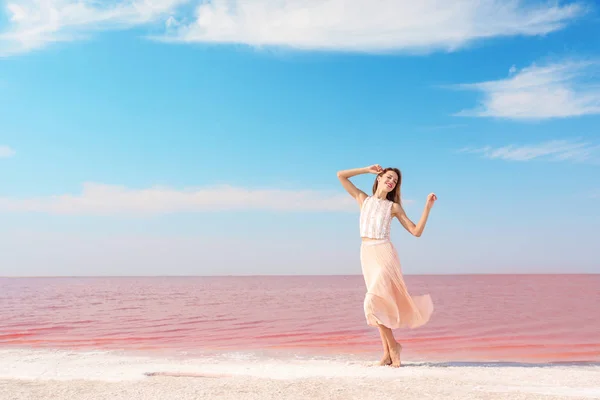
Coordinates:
(522, 318)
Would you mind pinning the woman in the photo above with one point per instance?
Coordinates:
(387, 304)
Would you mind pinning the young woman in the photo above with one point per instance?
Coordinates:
(387, 304)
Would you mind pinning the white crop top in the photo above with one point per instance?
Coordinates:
(375, 218)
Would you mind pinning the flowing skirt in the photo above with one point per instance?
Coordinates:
(387, 301)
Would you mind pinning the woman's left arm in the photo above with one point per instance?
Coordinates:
(414, 229)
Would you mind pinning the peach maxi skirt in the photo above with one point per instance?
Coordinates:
(387, 301)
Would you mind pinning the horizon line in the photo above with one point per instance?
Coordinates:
(295, 275)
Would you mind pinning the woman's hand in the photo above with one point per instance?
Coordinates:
(374, 169)
(431, 199)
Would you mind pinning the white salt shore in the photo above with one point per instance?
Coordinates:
(62, 375)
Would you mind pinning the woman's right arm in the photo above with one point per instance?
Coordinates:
(355, 192)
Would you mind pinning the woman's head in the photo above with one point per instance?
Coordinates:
(388, 181)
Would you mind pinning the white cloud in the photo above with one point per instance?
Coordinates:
(559, 90)
(6, 152)
(36, 23)
(346, 25)
(100, 199)
(553, 150)
(370, 26)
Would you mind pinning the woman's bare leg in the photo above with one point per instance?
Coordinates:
(386, 359)
(394, 347)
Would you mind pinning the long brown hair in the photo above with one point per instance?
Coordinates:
(394, 195)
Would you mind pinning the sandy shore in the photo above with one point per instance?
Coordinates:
(62, 375)
(447, 386)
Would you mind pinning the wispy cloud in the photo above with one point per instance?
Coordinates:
(559, 90)
(36, 23)
(101, 199)
(553, 150)
(6, 151)
(344, 25)
(370, 26)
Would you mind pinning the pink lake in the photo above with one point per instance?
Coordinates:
(520, 318)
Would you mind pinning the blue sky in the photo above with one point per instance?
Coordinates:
(175, 137)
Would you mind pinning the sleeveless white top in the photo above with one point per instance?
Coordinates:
(376, 218)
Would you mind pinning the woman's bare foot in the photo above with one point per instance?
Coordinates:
(395, 355)
(386, 360)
